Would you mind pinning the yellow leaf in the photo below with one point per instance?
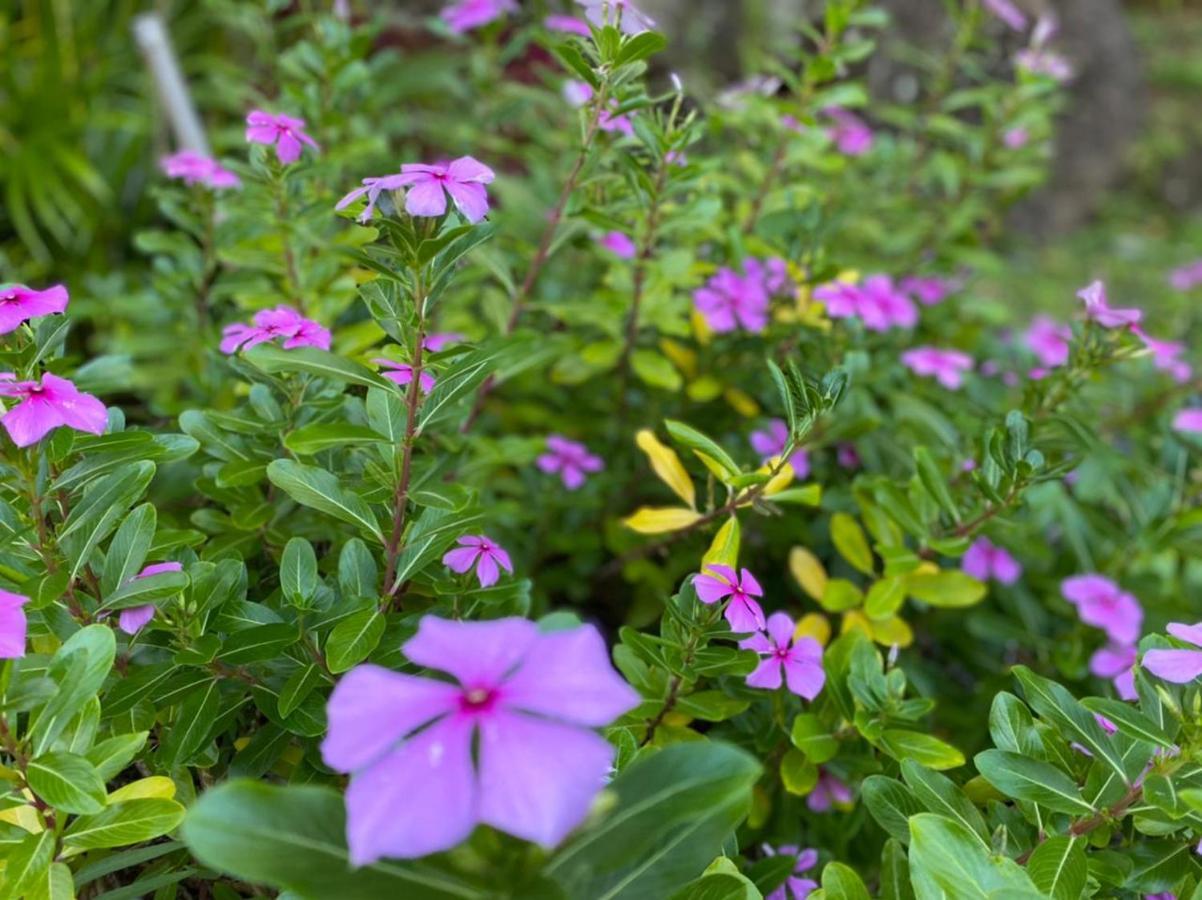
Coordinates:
(704, 389)
(677, 719)
(667, 466)
(852, 544)
(156, 787)
(658, 519)
(240, 743)
(808, 571)
(724, 549)
(718, 470)
(854, 619)
(742, 403)
(893, 630)
(701, 328)
(682, 357)
(25, 817)
(814, 625)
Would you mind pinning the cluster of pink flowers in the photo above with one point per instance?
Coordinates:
(196, 168)
(1186, 277)
(51, 403)
(948, 367)
(795, 887)
(280, 323)
(509, 743)
(19, 304)
(483, 554)
(427, 189)
(285, 133)
(465, 15)
(729, 300)
(770, 442)
(12, 624)
(985, 560)
(1103, 604)
(569, 459)
(877, 302)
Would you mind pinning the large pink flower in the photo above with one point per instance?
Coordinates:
(19, 303)
(798, 659)
(12, 625)
(463, 179)
(1103, 604)
(1177, 666)
(481, 553)
(743, 612)
(509, 743)
(47, 405)
(570, 459)
(281, 322)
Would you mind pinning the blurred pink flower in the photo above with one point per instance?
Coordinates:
(985, 560)
(794, 888)
(847, 457)
(286, 133)
(619, 244)
(1166, 355)
(798, 659)
(1177, 666)
(1007, 12)
(828, 792)
(463, 178)
(271, 324)
(13, 624)
(479, 552)
(569, 24)
(371, 188)
(718, 582)
(1186, 277)
(196, 168)
(1045, 62)
(1096, 308)
(1188, 419)
(570, 459)
(945, 366)
(1103, 604)
(440, 340)
(849, 132)
(1116, 662)
(1049, 340)
(927, 290)
(46, 405)
(1016, 138)
(622, 13)
(465, 15)
(877, 303)
(729, 301)
(402, 373)
(19, 304)
(770, 442)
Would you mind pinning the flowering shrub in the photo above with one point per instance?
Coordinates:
(624, 497)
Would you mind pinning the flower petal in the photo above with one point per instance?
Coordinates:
(804, 677)
(426, 198)
(1177, 666)
(477, 653)
(767, 674)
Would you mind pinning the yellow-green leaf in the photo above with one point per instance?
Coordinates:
(724, 549)
(667, 466)
(840, 595)
(808, 571)
(885, 598)
(658, 519)
(851, 543)
(952, 589)
(797, 773)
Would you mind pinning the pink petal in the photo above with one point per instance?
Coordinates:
(572, 476)
(780, 629)
(467, 169)
(568, 675)
(976, 559)
(502, 558)
(1177, 666)
(420, 798)
(749, 584)
(486, 570)
(805, 678)
(477, 653)
(744, 615)
(372, 708)
(131, 620)
(1190, 633)
(30, 420)
(1006, 569)
(426, 198)
(288, 148)
(12, 630)
(767, 674)
(471, 199)
(539, 778)
(81, 411)
(758, 642)
(461, 559)
(710, 589)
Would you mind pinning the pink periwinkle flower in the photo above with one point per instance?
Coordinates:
(465, 15)
(47, 405)
(510, 743)
(985, 560)
(1049, 340)
(1186, 277)
(566, 24)
(729, 301)
(772, 273)
(280, 322)
(851, 135)
(191, 167)
(19, 304)
(463, 178)
(609, 120)
(402, 373)
(1188, 420)
(1045, 62)
(570, 459)
(877, 303)
(926, 289)
(1007, 12)
(481, 553)
(828, 792)
(945, 366)
(619, 244)
(1103, 604)
(440, 340)
(371, 188)
(1016, 138)
(133, 619)
(770, 442)
(718, 582)
(798, 659)
(12, 625)
(1166, 355)
(1096, 308)
(285, 132)
(621, 13)
(1177, 666)
(1116, 662)
(795, 887)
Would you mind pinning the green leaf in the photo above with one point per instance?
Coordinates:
(67, 782)
(258, 643)
(939, 794)
(25, 864)
(640, 46)
(298, 686)
(193, 724)
(812, 738)
(298, 570)
(696, 441)
(946, 860)
(895, 871)
(1030, 779)
(294, 838)
(1059, 868)
(892, 804)
(932, 479)
(885, 597)
(1011, 725)
(431, 534)
(357, 572)
(1129, 720)
(127, 551)
(952, 589)
(79, 668)
(104, 502)
(312, 439)
(128, 822)
(272, 358)
(721, 880)
(112, 755)
(323, 491)
(145, 591)
(675, 810)
(797, 774)
(353, 639)
(656, 370)
(848, 538)
(840, 882)
(925, 749)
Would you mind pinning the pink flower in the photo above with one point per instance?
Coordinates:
(570, 459)
(270, 324)
(770, 443)
(468, 14)
(945, 366)
(133, 619)
(772, 273)
(927, 290)
(439, 340)
(463, 179)
(985, 560)
(1116, 662)
(1007, 12)
(1103, 604)
(288, 134)
(19, 303)
(827, 792)
(1016, 138)
(799, 659)
(849, 132)
(742, 612)
(1186, 277)
(196, 168)
(1166, 355)
(371, 188)
(1177, 666)
(478, 551)
(1189, 420)
(509, 744)
(12, 625)
(402, 373)
(1045, 62)
(1096, 308)
(608, 120)
(568, 24)
(794, 888)
(729, 301)
(618, 244)
(847, 456)
(577, 93)
(1049, 340)
(48, 405)
(876, 303)
(617, 12)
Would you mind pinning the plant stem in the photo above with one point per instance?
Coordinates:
(291, 272)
